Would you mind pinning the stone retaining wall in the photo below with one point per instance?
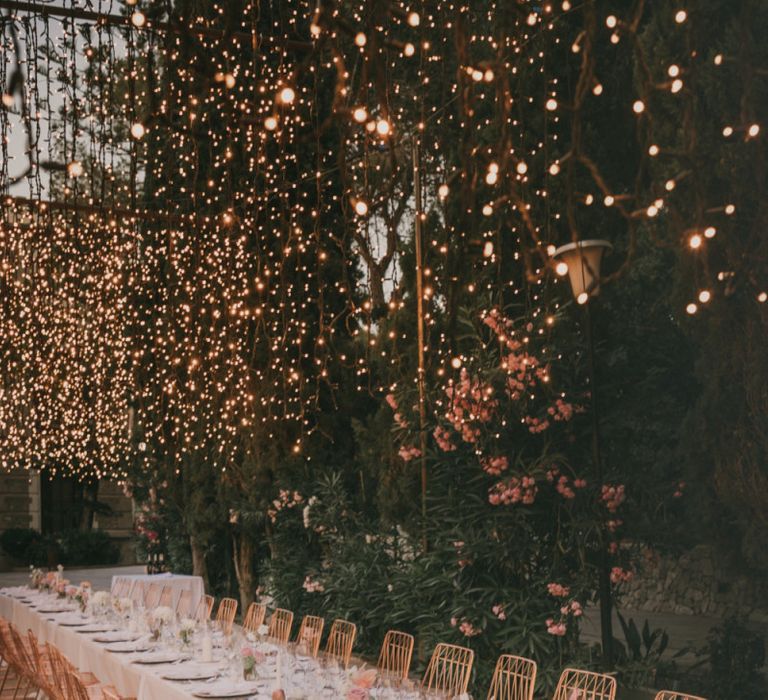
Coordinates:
(699, 582)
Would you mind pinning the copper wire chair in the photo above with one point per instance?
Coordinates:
(449, 669)
(204, 608)
(225, 615)
(575, 683)
(166, 597)
(184, 604)
(673, 695)
(254, 618)
(341, 639)
(280, 626)
(395, 655)
(513, 679)
(310, 633)
(137, 593)
(152, 596)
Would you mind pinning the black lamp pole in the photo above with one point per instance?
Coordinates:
(604, 577)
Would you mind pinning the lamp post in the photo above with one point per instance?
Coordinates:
(581, 262)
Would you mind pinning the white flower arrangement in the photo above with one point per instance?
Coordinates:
(162, 615)
(122, 605)
(187, 628)
(101, 599)
(263, 629)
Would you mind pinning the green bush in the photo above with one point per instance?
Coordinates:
(86, 548)
(20, 542)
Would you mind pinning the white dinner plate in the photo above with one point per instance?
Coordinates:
(95, 630)
(114, 637)
(126, 648)
(190, 674)
(240, 690)
(157, 657)
(72, 623)
(58, 611)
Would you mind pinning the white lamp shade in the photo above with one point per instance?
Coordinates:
(583, 259)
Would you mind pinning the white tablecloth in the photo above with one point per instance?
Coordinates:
(177, 582)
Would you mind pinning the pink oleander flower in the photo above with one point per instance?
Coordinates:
(498, 610)
(443, 439)
(392, 401)
(563, 489)
(558, 591)
(409, 452)
(619, 575)
(513, 490)
(557, 629)
(613, 496)
(468, 629)
(494, 465)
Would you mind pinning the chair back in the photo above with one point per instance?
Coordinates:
(166, 597)
(137, 592)
(341, 639)
(395, 655)
(254, 618)
(110, 693)
(575, 683)
(513, 679)
(152, 596)
(673, 695)
(280, 626)
(184, 604)
(77, 691)
(449, 669)
(121, 588)
(204, 608)
(225, 615)
(310, 633)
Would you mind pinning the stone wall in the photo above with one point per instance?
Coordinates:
(699, 582)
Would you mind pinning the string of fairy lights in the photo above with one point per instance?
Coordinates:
(230, 202)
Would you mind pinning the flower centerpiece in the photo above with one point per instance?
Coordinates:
(81, 598)
(158, 619)
(362, 682)
(36, 577)
(101, 600)
(61, 588)
(251, 657)
(187, 629)
(122, 606)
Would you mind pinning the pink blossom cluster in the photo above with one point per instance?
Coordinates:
(311, 586)
(285, 499)
(398, 417)
(558, 629)
(679, 490)
(443, 439)
(465, 627)
(558, 590)
(619, 575)
(536, 425)
(494, 465)
(463, 560)
(409, 452)
(470, 400)
(249, 652)
(561, 411)
(392, 401)
(572, 608)
(513, 490)
(613, 496)
(563, 485)
(614, 524)
(498, 610)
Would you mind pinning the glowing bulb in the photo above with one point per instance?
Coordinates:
(691, 308)
(677, 85)
(566, 5)
(477, 75)
(360, 114)
(487, 210)
(314, 30)
(652, 210)
(670, 185)
(754, 130)
(456, 363)
(442, 191)
(382, 127)
(487, 249)
(522, 168)
(730, 209)
(270, 123)
(704, 296)
(589, 199)
(413, 19)
(583, 298)
(638, 107)
(598, 89)
(138, 19)
(727, 131)
(673, 71)
(710, 232)
(360, 39)
(653, 150)
(551, 250)
(551, 104)
(75, 169)
(409, 49)
(611, 21)
(554, 169)
(695, 241)
(609, 200)
(561, 268)
(762, 297)
(287, 95)
(681, 16)
(719, 59)
(491, 177)
(361, 208)
(137, 130)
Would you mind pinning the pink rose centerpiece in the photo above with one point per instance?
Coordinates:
(251, 658)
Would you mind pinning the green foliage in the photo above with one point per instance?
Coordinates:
(642, 652)
(86, 548)
(20, 542)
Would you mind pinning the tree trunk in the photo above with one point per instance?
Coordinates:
(198, 561)
(242, 555)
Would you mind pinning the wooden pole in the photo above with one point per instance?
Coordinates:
(420, 337)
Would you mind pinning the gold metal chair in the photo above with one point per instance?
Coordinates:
(673, 695)
(341, 639)
(310, 633)
(577, 683)
(166, 597)
(280, 626)
(225, 615)
(254, 618)
(184, 603)
(449, 669)
(152, 596)
(513, 679)
(204, 608)
(395, 655)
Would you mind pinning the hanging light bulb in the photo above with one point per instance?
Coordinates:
(137, 130)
